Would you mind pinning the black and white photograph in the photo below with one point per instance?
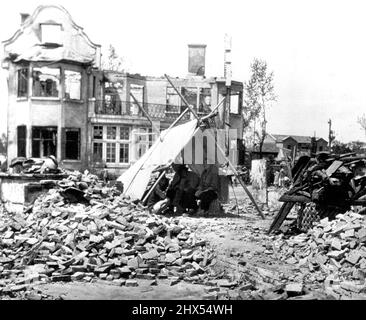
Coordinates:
(203, 152)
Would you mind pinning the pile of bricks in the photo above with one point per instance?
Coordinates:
(332, 253)
(108, 237)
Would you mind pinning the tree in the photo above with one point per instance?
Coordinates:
(357, 146)
(113, 61)
(258, 94)
(339, 147)
(352, 146)
(362, 122)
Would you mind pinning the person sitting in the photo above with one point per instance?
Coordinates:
(181, 192)
(208, 188)
(159, 192)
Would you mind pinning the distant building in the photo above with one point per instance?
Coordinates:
(279, 145)
(62, 103)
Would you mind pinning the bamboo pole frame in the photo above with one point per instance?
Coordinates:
(221, 151)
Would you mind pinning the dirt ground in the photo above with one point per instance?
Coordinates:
(239, 239)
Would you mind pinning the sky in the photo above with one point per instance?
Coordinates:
(316, 49)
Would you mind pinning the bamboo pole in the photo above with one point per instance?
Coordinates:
(144, 112)
(153, 187)
(183, 99)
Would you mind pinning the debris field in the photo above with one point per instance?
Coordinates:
(83, 231)
(109, 237)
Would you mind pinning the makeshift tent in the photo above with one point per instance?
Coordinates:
(135, 180)
(164, 151)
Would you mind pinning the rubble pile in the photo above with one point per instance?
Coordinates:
(106, 236)
(332, 253)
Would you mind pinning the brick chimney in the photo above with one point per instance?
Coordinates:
(196, 59)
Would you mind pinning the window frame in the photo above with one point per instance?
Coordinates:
(65, 85)
(59, 41)
(58, 85)
(78, 130)
(108, 156)
(121, 145)
(26, 82)
(107, 144)
(22, 141)
(41, 139)
(99, 160)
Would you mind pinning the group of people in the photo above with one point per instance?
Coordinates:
(186, 192)
(281, 178)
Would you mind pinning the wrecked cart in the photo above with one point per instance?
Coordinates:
(323, 186)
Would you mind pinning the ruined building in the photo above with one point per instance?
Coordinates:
(62, 103)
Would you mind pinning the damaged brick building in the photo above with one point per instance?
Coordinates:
(62, 103)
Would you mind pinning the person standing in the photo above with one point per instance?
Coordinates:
(208, 187)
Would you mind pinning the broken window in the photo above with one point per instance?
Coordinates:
(72, 144)
(145, 140)
(98, 132)
(190, 94)
(205, 100)
(51, 33)
(172, 100)
(138, 92)
(111, 153)
(111, 133)
(142, 148)
(72, 85)
(234, 104)
(97, 152)
(46, 82)
(124, 152)
(44, 142)
(112, 102)
(23, 82)
(21, 134)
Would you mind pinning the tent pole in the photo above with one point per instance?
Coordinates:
(222, 152)
(183, 99)
(241, 182)
(144, 112)
(153, 187)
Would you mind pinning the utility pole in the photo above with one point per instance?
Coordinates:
(227, 75)
(331, 134)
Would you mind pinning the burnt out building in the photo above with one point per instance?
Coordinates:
(62, 103)
(49, 61)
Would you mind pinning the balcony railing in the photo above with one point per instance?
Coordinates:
(154, 110)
